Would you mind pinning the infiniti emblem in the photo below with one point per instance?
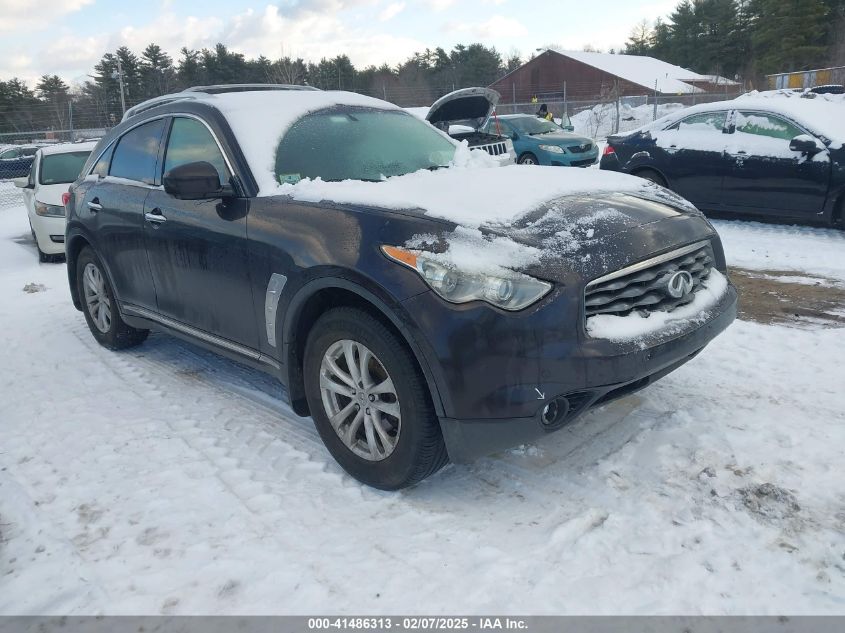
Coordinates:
(679, 284)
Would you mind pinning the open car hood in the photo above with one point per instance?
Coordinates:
(468, 106)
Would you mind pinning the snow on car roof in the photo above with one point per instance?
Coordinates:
(821, 116)
(68, 148)
(260, 119)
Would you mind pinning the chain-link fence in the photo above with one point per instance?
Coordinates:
(597, 117)
(17, 152)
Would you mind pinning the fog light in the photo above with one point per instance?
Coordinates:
(555, 412)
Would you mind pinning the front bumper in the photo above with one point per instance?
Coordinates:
(496, 387)
(49, 233)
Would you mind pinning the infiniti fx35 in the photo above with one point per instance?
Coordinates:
(421, 303)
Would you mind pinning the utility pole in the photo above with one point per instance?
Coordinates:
(565, 105)
(70, 118)
(616, 90)
(119, 77)
(654, 118)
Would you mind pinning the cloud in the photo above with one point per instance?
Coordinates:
(439, 5)
(312, 35)
(497, 27)
(17, 14)
(391, 11)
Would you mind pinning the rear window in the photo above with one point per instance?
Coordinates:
(57, 169)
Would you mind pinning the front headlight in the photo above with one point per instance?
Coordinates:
(554, 149)
(507, 290)
(49, 210)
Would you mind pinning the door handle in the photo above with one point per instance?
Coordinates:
(155, 216)
(95, 205)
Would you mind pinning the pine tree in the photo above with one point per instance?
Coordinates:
(788, 35)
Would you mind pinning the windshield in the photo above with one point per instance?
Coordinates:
(59, 169)
(354, 143)
(533, 125)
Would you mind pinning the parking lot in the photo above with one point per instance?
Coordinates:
(165, 479)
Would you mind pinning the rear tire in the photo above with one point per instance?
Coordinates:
(100, 307)
(528, 159)
(652, 176)
(408, 446)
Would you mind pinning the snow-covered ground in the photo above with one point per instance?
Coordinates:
(165, 479)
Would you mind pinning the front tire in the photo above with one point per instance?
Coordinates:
(100, 307)
(370, 402)
(528, 159)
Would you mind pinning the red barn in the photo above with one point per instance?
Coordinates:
(585, 76)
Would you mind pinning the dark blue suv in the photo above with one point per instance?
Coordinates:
(418, 301)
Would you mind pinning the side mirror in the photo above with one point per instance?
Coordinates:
(195, 181)
(514, 136)
(805, 144)
(21, 183)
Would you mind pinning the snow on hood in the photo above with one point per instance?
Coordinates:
(260, 119)
(473, 191)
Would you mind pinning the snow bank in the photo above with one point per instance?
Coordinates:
(598, 121)
(635, 327)
(473, 191)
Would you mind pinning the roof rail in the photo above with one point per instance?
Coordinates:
(156, 101)
(224, 88)
(196, 91)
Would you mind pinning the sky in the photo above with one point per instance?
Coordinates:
(67, 37)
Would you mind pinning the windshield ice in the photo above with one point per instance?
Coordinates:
(359, 143)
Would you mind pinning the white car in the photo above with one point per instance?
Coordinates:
(53, 169)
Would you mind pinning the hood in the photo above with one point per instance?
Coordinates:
(562, 137)
(581, 236)
(471, 106)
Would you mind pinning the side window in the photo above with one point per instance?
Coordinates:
(704, 122)
(137, 152)
(10, 153)
(101, 168)
(190, 141)
(769, 125)
(29, 151)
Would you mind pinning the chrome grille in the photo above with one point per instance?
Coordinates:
(644, 286)
(494, 149)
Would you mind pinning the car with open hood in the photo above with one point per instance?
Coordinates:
(420, 302)
(463, 115)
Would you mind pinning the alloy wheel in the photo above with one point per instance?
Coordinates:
(360, 400)
(96, 299)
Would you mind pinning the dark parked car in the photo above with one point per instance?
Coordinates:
(780, 156)
(16, 160)
(348, 288)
